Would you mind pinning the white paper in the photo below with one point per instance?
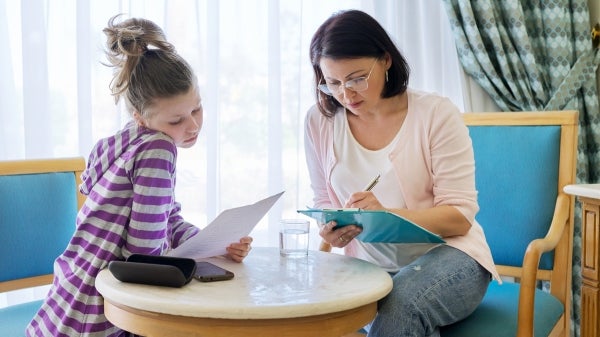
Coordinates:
(228, 227)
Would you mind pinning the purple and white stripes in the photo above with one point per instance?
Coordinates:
(130, 208)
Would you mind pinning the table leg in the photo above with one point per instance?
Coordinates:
(590, 268)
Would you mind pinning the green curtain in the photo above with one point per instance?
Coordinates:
(536, 55)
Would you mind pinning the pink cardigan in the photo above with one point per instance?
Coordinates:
(433, 162)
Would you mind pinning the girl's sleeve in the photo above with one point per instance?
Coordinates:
(180, 229)
(153, 179)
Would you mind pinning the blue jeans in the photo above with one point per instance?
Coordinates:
(439, 288)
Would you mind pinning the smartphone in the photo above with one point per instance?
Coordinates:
(208, 272)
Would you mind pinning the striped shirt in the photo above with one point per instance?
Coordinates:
(130, 208)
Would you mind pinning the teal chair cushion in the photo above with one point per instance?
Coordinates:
(14, 319)
(37, 220)
(496, 316)
(516, 176)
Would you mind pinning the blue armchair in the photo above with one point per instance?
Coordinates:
(522, 162)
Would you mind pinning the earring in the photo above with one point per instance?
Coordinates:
(386, 76)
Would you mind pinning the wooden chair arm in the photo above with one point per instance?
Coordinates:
(531, 260)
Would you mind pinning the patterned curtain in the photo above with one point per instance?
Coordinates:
(536, 55)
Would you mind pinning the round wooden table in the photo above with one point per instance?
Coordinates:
(322, 294)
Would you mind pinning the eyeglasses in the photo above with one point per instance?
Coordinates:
(355, 84)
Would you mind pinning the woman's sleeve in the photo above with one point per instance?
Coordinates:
(453, 161)
(315, 159)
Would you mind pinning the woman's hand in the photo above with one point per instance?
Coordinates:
(237, 251)
(363, 200)
(339, 237)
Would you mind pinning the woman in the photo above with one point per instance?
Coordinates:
(368, 122)
(129, 180)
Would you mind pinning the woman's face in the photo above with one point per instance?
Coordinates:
(356, 83)
(180, 117)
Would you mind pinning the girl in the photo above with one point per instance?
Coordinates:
(129, 180)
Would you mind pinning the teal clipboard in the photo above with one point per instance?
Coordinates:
(378, 226)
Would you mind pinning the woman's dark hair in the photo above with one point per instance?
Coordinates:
(146, 64)
(354, 34)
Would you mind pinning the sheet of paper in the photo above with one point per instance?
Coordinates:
(226, 228)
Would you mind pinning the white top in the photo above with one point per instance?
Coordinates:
(265, 285)
(584, 190)
(356, 167)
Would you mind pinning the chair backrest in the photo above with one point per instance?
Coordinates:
(522, 162)
(40, 200)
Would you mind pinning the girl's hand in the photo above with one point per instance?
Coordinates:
(339, 237)
(237, 251)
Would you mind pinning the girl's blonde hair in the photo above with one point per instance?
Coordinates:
(146, 65)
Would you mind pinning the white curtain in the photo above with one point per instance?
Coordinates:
(251, 57)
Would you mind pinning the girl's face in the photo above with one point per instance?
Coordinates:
(180, 117)
(347, 79)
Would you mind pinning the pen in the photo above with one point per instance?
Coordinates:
(373, 183)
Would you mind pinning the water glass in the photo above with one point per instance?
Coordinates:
(293, 237)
